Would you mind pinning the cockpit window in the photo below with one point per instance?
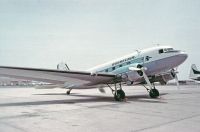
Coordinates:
(161, 51)
(166, 50)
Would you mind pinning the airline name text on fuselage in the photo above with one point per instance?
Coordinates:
(124, 60)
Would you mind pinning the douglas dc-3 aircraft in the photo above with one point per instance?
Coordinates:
(194, 73)
(146, 66)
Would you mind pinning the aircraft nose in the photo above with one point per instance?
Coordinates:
(182, 56)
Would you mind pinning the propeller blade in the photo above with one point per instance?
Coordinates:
(137, 69)
(177, 82)
(176, 77)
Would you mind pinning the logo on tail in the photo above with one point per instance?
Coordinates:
(194, 72)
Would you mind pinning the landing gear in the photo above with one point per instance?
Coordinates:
(154, 93)
(68, 92)
(119, 94)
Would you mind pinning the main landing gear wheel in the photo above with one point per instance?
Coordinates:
(119, 95)
(154, 93)
(68, 92)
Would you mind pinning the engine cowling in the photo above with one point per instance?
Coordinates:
(163, 79)
(140, 72)
(132, 75)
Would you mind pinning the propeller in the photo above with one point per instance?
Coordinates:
(174, 72)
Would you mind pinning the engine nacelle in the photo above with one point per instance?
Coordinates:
(163, 79)
(137, 65)
(132, 76)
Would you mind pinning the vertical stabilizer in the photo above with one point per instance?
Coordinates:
(194, 72)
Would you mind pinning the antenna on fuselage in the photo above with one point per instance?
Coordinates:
(138, 51)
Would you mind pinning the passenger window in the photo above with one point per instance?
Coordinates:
(147, 58)
(106, 70)
(161, 51)
(128, 63)
(120, 65)
(113, 68)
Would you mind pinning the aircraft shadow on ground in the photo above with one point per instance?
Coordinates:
(87, 99)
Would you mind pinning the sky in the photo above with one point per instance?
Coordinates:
(85, 33)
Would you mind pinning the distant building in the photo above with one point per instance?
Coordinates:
(5, 81)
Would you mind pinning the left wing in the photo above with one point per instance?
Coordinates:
(68, 78)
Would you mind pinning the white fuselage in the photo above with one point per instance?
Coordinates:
(156, 60)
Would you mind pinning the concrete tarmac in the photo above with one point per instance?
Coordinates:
(51, 110)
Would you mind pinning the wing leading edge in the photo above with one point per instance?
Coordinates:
(68, 78)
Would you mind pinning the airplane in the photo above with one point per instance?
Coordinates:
(155, 64)
(194, 73)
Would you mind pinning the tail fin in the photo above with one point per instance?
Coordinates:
(194, 72)
(63, 66)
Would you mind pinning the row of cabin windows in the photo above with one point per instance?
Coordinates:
(115, 67)
(138, 60)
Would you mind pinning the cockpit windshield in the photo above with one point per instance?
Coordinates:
(166, 50)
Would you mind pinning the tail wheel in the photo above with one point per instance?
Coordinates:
(154, 93)
(119, 95)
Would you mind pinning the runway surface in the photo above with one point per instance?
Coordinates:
(51, 110)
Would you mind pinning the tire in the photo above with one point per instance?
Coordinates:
(154, 93)
(68, 92)
(120, 95)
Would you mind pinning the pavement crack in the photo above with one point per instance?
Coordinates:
(13, 126)
(166, 123)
